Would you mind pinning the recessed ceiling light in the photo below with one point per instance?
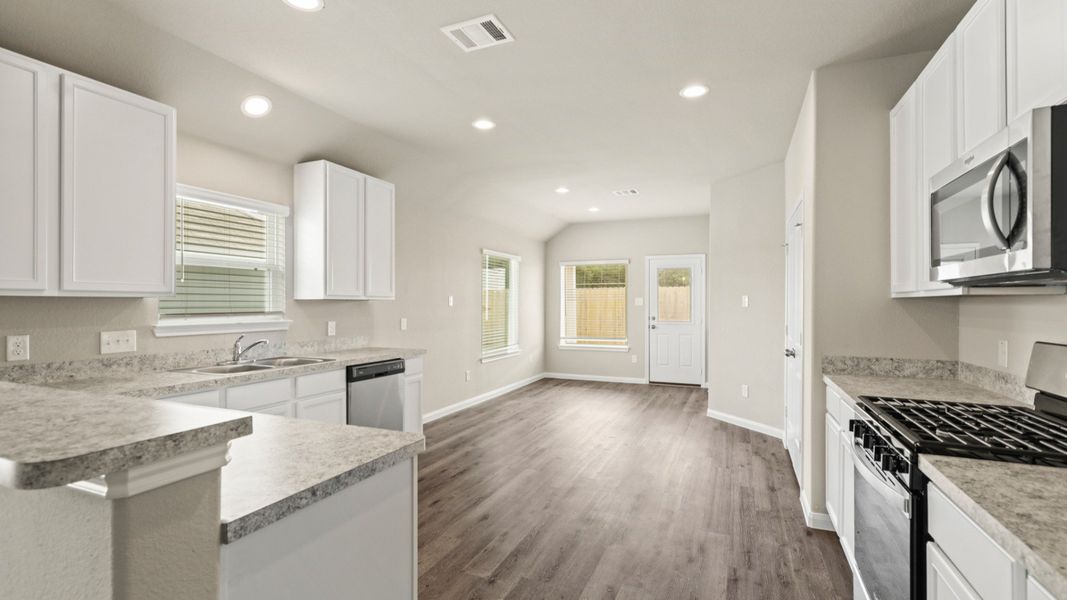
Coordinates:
(594, 209)
(256, 106)
(562, 190)
(693, 91)
(483, 124)
(307, 5)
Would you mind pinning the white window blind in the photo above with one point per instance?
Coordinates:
(500, 304)
(593, 304)
(230, 257)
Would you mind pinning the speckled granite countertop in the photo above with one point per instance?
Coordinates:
(161, 384)
(50, 438)
(1026, 518)
(289, 464)
(944, 390)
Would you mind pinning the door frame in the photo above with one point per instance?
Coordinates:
(704, 313)
(795, 218)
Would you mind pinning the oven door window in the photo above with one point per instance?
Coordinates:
(970, 220)
(883, 532)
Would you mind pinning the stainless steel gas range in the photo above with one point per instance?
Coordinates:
(890, 491)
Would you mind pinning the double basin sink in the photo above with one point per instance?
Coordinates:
(265, 364)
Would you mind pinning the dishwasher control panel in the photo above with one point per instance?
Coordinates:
(376, 369)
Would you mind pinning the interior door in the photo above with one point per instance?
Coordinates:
(676, 319)
(794, 339)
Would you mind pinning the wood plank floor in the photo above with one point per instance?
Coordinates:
(568, 489)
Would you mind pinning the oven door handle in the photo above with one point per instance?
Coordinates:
(869, 473)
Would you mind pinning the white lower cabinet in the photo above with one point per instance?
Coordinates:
(943, 581)
(318, 397)
(1035, 591)
(833, 471)
(840, 481)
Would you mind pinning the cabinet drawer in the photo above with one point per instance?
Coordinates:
(332, 408)
(209, 398)
(983, 563)
(320, 383)
(1035, 591)
(255, 395)
(282, 409)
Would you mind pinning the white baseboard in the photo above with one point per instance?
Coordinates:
(600, 378)
(815, 520)
(480, 398)
(747, 424)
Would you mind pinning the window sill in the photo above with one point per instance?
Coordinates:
(594, 347)
(501, 356)
(176, 327)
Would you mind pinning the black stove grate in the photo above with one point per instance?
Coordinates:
(975, 430)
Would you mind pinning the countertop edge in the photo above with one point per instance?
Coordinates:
(235, 529)
(1036, 566)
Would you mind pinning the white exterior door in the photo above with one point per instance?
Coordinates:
(676, 319)
(794, 339)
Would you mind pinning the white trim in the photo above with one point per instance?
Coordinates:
(514, 257)
(613, 261)
(595, 348)
(746, 423)
(144, 478)
(230, 200)
(599, 378)
(462, 405)
(815, 520)
(501, 355)
(182, 326)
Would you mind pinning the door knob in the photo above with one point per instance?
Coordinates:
(790, 353)
(653, 326)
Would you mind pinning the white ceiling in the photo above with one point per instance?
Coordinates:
(587, 95)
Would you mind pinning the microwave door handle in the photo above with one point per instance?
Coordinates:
(989, 215)
(883, 487)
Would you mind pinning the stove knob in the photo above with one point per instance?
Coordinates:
(857, 428)
(868, 441)
(889, 463)
(880, 452)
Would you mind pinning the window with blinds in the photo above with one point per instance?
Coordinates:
(230, 257)
(593, 304)
(500, 304)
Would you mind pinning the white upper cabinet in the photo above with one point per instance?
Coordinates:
(343, 234)
(937, 107)
(25, 170)
(117, 191)
(981, 91)
(1036, 54)
(88, 173)
(904, 192)
(380, 233)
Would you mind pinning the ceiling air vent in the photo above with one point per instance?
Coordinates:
(476, 34)
(627, 192)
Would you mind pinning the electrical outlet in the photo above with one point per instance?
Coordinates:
(467, 375)
(639, 301)
(18, 347)
(744, 390)
(451, 301)
(633, 358)
(331, 328)
(1002, 353)
(118, 341)
(744, 301)
(403, 323)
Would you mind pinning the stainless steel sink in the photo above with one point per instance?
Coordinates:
(291, 361)
(229, 369)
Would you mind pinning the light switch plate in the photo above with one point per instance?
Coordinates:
(639, 301)
(451, 301)
(18, 347)
(744, 390)
(1002, 353)
(112, 342)
(331, 328)
(633, 358)
(403, 323)
(744, 301)
(467, 375)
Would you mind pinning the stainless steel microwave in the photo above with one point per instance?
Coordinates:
(998, 215)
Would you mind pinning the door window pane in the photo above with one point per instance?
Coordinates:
(675, 295)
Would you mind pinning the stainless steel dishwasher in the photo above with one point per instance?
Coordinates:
(376, 395)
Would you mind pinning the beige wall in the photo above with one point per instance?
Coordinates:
(1019, 320)
(632, 240)
(846, 221)
(746, 232)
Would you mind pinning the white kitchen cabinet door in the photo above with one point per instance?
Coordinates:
(28, 168)
(283, 409)
(344, 232)
(331, 408)
(943, 581)
(1035, 591)
(211, 398)
(938, 144)
(847, 528)
(982, 93)
(904, 193)
(117, 191)
(413, 403)
(1036, 53)
(380, 213)
(833, 472)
